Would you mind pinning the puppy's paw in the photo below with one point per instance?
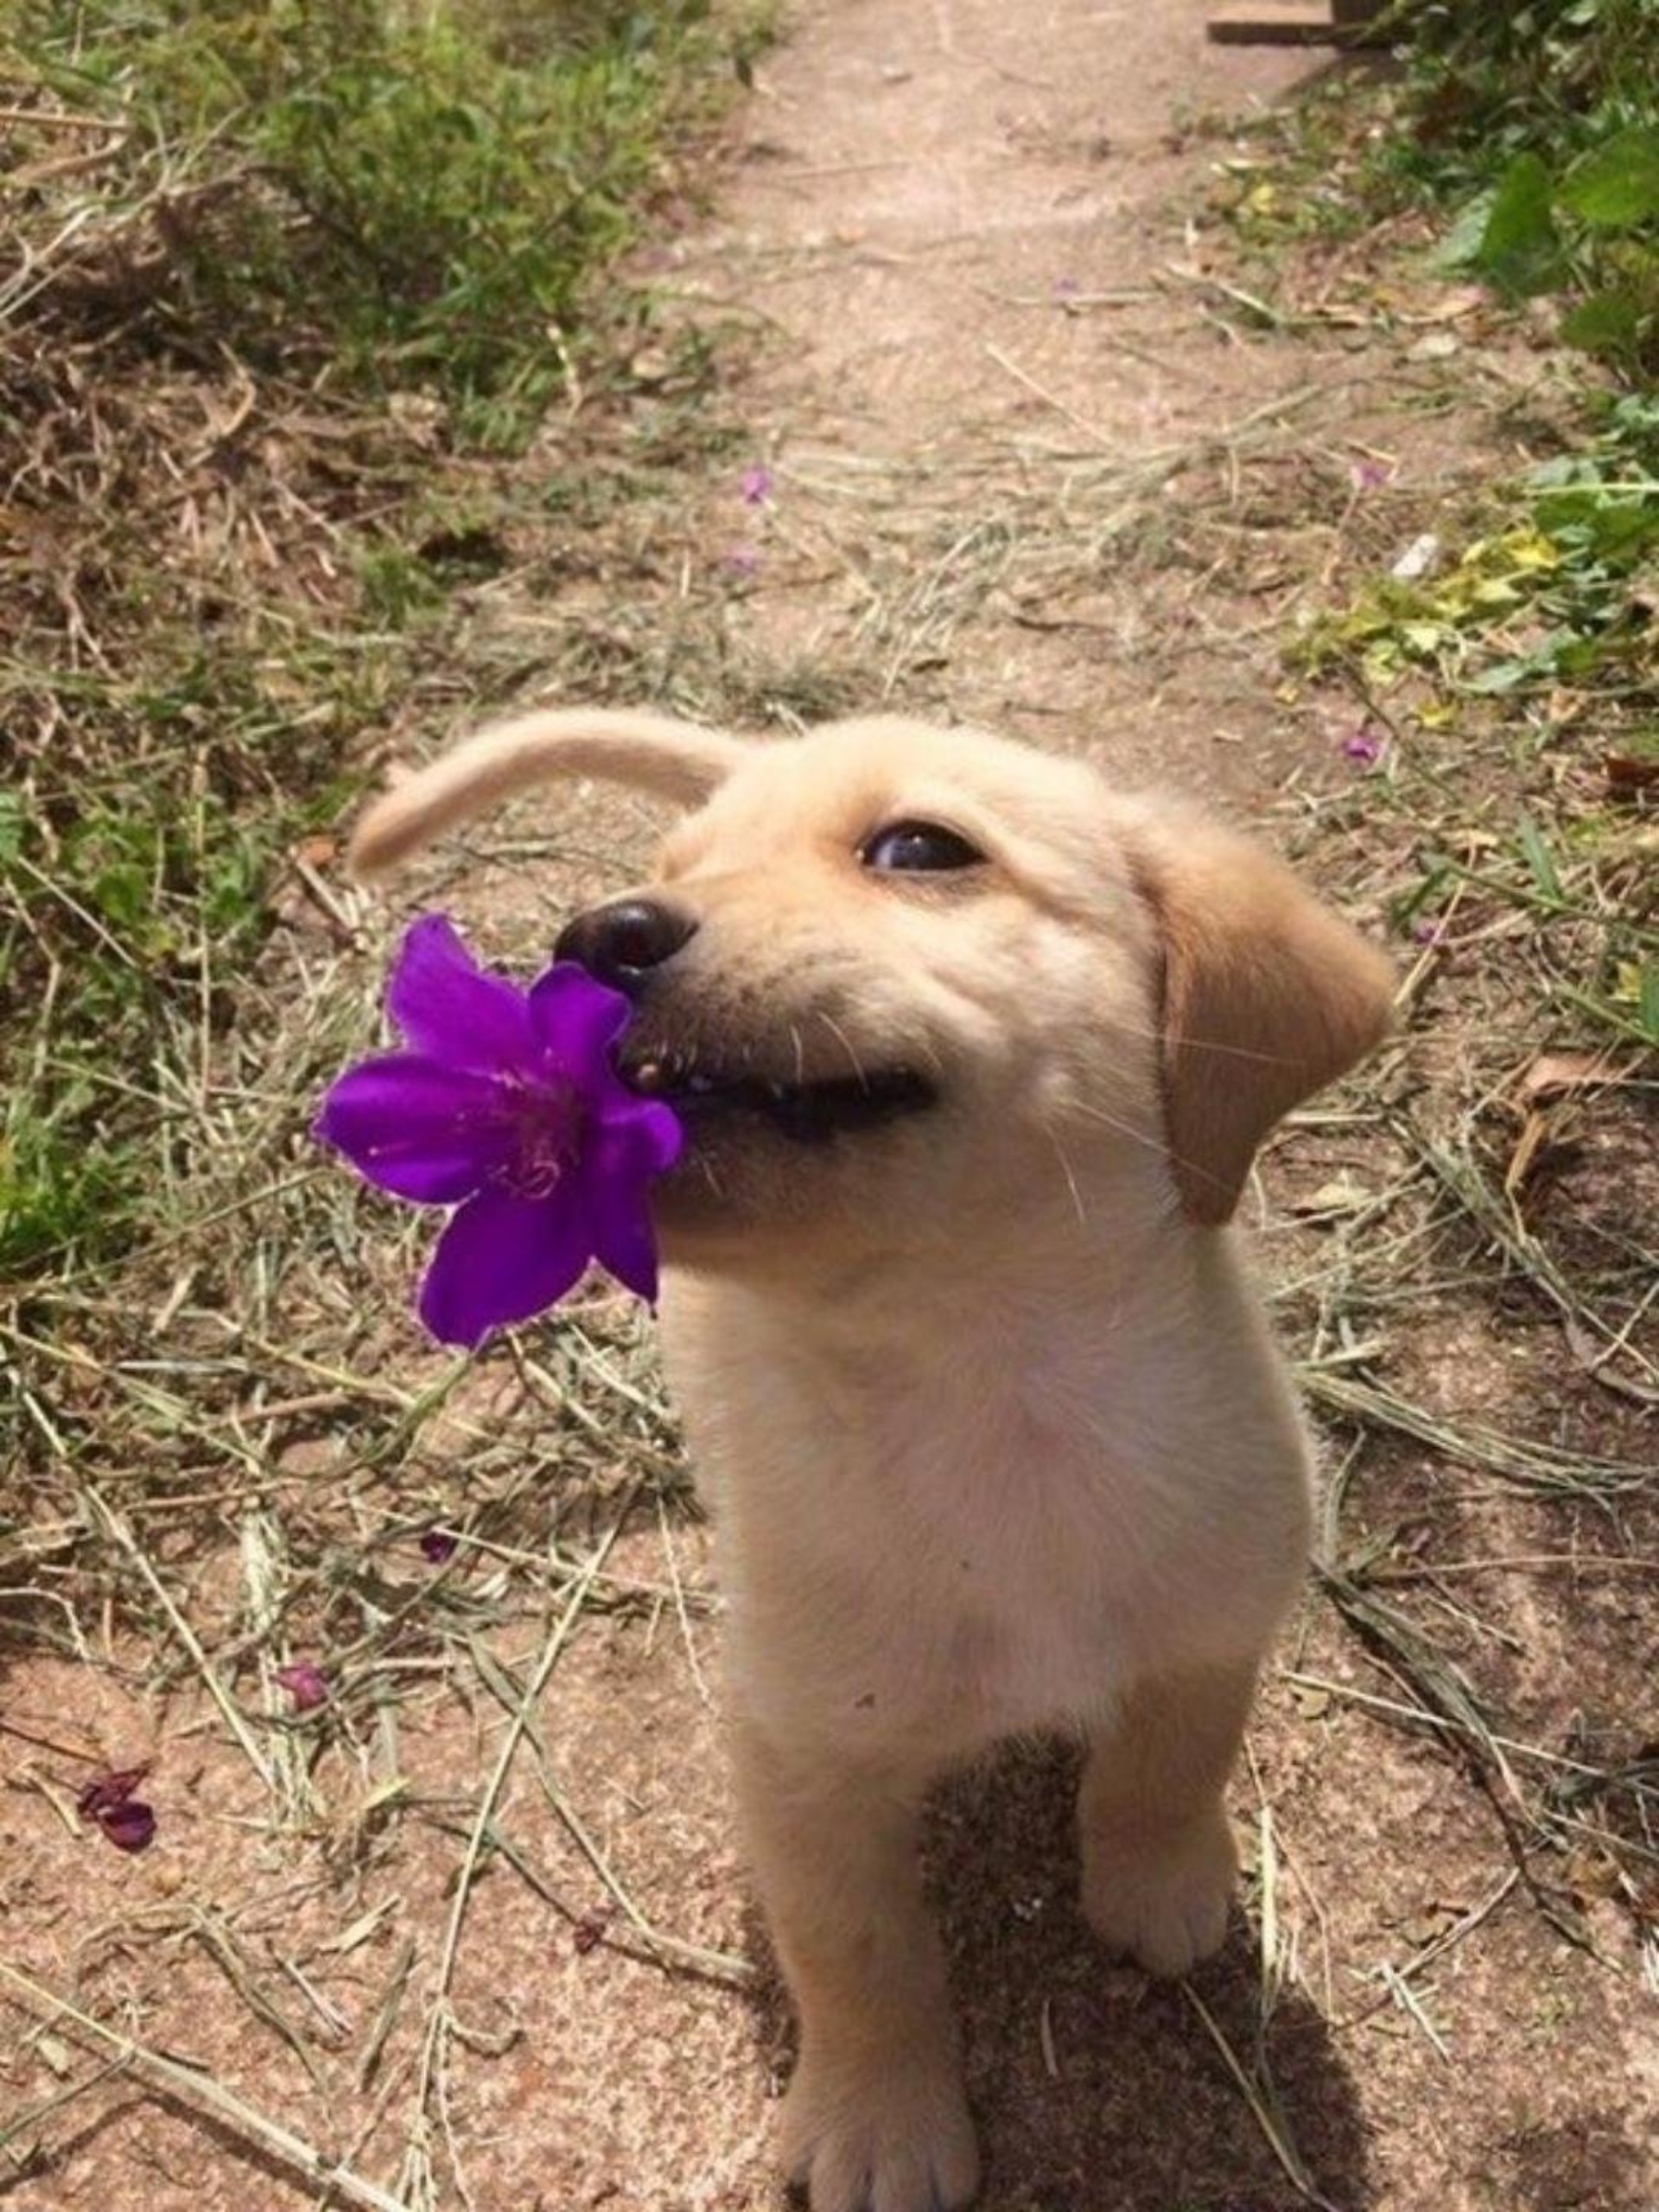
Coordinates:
(893, 2138)
(1164, 1903)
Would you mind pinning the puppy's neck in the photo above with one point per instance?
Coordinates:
(938, 1283)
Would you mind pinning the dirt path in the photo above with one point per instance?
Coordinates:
(988, 373)
(963, 224)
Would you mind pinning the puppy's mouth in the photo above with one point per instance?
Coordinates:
(809, 1111)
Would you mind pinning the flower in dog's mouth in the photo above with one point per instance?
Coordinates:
(506, 1107)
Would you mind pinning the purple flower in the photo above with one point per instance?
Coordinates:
(306, 1683)
(1429, 932)
(105, 1791)
(1365, 746)
(741, 560)
(756, 484)
(437, 1545)
(129, 1825)
(505, 1106)
(107, 1800)
(1371, 475)
(1066, 287)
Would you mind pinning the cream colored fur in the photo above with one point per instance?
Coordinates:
(986, 1404)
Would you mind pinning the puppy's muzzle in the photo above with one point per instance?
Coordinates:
(622, 944)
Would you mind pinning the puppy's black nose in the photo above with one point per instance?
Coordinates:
(619, 944)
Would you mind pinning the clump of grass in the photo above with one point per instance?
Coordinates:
(1483, 84)
(1530, 641)
(269, 271)
(1537, 129)
(390, 198)
(1522, 141)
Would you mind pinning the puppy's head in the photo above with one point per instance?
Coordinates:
(897, 979)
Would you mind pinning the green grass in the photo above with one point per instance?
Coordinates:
(1522, 140)
(280, 279)
(1519, 674)
(393, 201)
(136, 885)
(1514, 682)
(1536, 129)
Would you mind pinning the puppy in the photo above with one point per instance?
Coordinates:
(973, 1055)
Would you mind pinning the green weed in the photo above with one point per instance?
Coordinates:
(1539, 124)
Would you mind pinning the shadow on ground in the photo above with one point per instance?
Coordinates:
(1095, 2088)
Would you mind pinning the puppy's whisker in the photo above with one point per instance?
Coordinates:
(846, 1044)
(928, 1051)
(1189, 1043)
(1078, 1207)
(1160, 1144)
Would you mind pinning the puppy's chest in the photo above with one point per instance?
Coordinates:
(960, 1572)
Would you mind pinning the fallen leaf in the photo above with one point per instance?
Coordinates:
(1591, 1871)
(1553, 1074)
(1419, 559)
(1535, 1135)
(1630, 779)
(1341, 1195)
(1426, 1925)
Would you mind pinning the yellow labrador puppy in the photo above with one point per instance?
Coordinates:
(974, 1054)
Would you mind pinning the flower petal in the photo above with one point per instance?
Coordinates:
(419, 1128)
(105, 1791)
(449, 1007)
(631, 1137)
(624, 1242)
(502, 1260)
(576, 1020)
(131, 1825)
(306, 1683)
(634, 1139)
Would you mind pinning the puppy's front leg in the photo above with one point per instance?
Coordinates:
(875, 2120)
(1158, 1858)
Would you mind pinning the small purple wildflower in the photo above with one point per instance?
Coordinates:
(1364, 745)
(506, 1106)
(756, 484)
(1429, 932)
(107, 1800)
(1066, 287)
(437, 1545)
(741, 560)
(129, 1825)
(1371, 475)
(306, 1683)
(105, 1791)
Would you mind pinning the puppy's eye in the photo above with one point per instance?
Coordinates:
(919, 849)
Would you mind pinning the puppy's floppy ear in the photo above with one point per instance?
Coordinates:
(1268, 996)
(653, 753)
